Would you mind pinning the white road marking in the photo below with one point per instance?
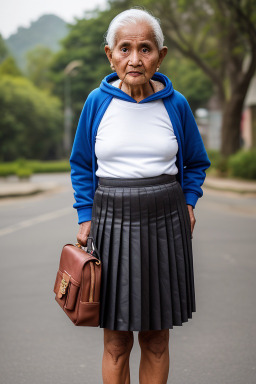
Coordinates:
(35, 220)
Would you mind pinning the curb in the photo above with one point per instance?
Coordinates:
(15, 190)
(230, 185)
(26, 189)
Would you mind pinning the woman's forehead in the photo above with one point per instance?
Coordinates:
(139, 32)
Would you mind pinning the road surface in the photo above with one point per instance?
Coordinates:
(39, 344)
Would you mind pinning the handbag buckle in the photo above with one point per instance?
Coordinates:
(63, 285)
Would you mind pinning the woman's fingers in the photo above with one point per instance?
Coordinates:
(83, 233)
(192, 218)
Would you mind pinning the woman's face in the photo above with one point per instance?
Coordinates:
(135, 55)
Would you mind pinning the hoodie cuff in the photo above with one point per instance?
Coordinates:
(191, 198)
(84, 214)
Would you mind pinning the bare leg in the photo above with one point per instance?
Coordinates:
(155, 362)
(115, 362)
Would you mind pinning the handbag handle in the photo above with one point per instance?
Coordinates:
(91, 248)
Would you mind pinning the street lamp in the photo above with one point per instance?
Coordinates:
(69, 71)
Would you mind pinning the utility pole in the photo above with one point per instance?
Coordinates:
(68, 114)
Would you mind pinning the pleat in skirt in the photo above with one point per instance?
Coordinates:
(141, 228)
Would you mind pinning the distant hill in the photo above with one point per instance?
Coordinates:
(48, 30)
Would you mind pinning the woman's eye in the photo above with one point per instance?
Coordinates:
(145, 50)
(124, 49)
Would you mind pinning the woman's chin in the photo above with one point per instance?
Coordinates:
(133, 80)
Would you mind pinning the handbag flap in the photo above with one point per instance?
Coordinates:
(72, 261)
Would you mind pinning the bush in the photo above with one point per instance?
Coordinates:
(27, 167)
(7, 169)
(214, 156)
(50, 166)
(222, 166)
(243, 164)
(24, 173)
(219, 163)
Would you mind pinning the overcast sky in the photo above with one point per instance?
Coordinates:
(20, 13)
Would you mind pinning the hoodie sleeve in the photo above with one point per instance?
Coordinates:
(195, 159)
(81, 166)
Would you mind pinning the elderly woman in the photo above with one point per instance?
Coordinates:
(137, 166)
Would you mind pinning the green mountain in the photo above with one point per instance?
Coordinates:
(48, 30)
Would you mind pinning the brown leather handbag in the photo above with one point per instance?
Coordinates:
(77, 284)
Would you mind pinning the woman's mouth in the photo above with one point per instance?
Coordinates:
(134, 73)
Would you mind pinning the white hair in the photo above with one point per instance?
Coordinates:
(134, 16)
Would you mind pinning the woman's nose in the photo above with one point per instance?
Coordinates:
(134, 58)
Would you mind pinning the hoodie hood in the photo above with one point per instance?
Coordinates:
(105, 86)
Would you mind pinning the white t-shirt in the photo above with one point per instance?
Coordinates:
(135, 140)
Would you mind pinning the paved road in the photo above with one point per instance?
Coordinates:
(39, 344)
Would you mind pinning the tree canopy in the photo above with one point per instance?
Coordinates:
(31, 121)
(8, 67)
(3, 49)
(38, 61)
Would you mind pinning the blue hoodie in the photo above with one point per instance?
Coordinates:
(192, 159)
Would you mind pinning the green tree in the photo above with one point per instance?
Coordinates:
(188, 79)
(218, 35)
(9, 67)
(31, 121)
(3, 49)
(38, 61)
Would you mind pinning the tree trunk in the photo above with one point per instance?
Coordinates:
(230, 130)
(233, 108)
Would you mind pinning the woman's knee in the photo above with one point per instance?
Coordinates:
(154, 342)
(118, 343)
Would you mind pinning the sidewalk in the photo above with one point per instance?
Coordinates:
(24, 188)
(230, 185)
(12, 187)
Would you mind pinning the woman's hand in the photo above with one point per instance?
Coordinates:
(83, 233)
(192, 218)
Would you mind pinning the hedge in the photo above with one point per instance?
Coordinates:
(243, 164)
(24, 168)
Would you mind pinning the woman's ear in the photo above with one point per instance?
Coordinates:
(162, 54)
(108, 53)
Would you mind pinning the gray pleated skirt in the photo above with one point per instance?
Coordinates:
(141, 228)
